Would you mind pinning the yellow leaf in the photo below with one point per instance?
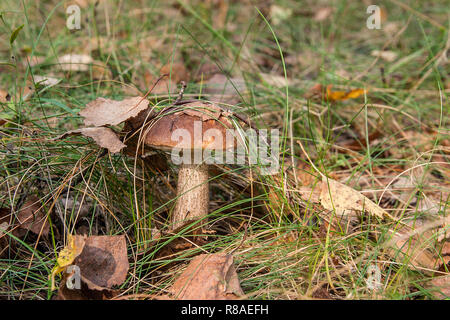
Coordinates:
(344, 95)
(67, 255)
(354, 93)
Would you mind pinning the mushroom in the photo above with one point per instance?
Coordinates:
(201, 125)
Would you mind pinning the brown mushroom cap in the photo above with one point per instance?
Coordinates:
(159, 135)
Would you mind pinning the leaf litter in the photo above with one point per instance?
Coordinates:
(103, 264)
(208, 277)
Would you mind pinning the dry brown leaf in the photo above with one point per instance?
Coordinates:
(75, 62)
(225, 90)
(84, 293)
(279, 14)
(103, 262)
(100, 71)
(104, 137)
(31, 217)
(415, 240)
(102, 112)
(46, 81)
(276, 80)
(164, 86)
(335, 195)
(4, 96)
(387, 55)
(25, 92)
(322, 14)
(33, 61)
(208, 277)
(5, 218)
(445, 253)
(418, 256)
(206, 71)
(442, 286)
(175, 71)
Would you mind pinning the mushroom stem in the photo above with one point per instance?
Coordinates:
(193, 194)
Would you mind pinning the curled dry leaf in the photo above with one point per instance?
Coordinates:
(104, 137)
(208, 277)
(335, 195)
(103, 262)
(31, 217)
(102, 112)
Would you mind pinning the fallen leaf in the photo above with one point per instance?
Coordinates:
(46, 81)
(442, 286)
(5, 217)
(344, 95)
(175, 71)
(389, 56)
(208, 277)
(103, 262)
(206, 71)
(445, 253)
(102, 112)
(75, 62)
(225, 90)
(104, 137)
(84, 293)
(279, 14)
(67, 255)
(4, 96)
(417, 255)
(31, 217)
(276, 80)
(322, 14)
(221, 16)
(33, 61)
(335, 195)
(100, 71)
(25, 92)
(415, 240)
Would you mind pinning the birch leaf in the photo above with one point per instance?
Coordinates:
(346, 199)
